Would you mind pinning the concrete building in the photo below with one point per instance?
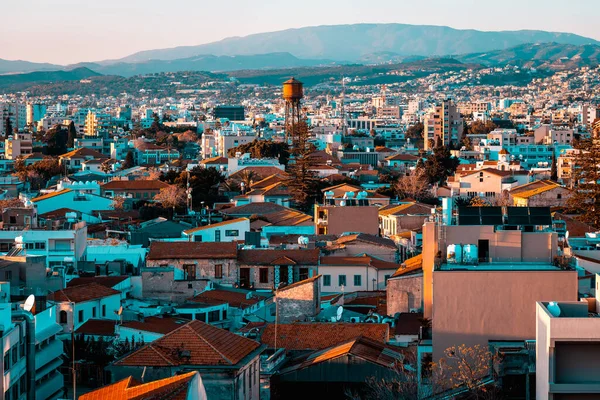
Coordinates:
(77, 304)
(567, 350)
(298, 301)
(337, 220)
(405, 287)
(178, 270)
(226, 231)
(352, 274)
(228, 363)
(443, 123)
(18, 145)
(501, 265)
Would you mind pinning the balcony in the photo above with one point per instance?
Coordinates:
(49, 387)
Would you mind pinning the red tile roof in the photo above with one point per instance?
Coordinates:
(222, 223)
(272, 257)
(237, 299)
(83, 152)
(192, 250)
(82, 293)
(173, 388)
(50, 195)
(317, 336)
(108, 281)
(412, 266)
(134, 185)
(97, 327)
(195, 343)
(363, 348)
(162, 325)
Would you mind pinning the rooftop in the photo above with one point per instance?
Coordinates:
(501, 266)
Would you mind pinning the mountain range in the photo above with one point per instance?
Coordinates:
(369, 44)
(351, 42)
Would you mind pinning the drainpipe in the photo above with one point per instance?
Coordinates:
(30, 337)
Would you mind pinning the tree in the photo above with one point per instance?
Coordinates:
(415, 131)
(480, 128)
(71, 135)
(247, 177)
(128, 163)
(440, 165)
(263, 149)
(171, 197)
(554, 169)
(585, 172)
(414, 186)
(38, 173)
(462, 368)
(478, 201)
(56, 140)
(204, 183)
(303, 182)
(118, 203)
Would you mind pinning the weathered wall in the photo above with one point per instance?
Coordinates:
(161, 285)
(298, 302)
(404, 294)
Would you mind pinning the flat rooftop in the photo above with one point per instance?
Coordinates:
(501, 266)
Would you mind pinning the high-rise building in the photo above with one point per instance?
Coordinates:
(97, 124)
(35, 112)
(443, 124)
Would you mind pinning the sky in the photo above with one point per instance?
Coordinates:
(71, 31)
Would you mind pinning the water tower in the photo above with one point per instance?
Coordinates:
(293, 93)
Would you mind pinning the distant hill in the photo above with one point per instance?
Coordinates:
(19, 66)
(353, 42)
(205, 63)
(16, 81)
(546, 55)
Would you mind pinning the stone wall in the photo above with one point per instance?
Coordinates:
(299, 301)
(404, 294)
(160, 284)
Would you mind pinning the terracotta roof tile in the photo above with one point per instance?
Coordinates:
(223, 223)
(192, 250)
(195, 343)
(317, 336)
(236, 299)
(162, 325)
(98, 327)
(50, 195)
(123, 184)
(268, 257)
(83, 152)
(108, 281)
(82, 293)
(172, 388)
(411, 266)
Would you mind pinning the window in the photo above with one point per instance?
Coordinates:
(559, 196)
(326, 280)
(93, 312)
(214, 316)
(197, 238)
(7, 275)
(232, 232)
(15, 354)
(357, 280)
(218, 235)
(13, 219)
(263, 275)
(63, 317)
(104, 310)
(218, 271)
(342, 280)
(7, 361)
(40, 245)
(80, 316)
(189, 271)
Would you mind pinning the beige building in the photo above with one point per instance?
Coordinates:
(567, 350)
(337, 220)
(443, 123)
(20, 144)
(483, 273)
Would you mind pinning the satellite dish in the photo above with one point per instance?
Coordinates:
(340, 310)
(554, 309)
(29, 303)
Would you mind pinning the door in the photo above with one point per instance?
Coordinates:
(244, 277)
(283, 275)
(484, 250)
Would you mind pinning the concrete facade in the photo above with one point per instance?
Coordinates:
(404, 294)
(298, 301)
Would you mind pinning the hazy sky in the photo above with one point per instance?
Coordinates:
(69, 31)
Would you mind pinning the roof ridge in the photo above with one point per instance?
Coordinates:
(175, 379)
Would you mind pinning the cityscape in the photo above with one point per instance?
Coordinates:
(315, 207)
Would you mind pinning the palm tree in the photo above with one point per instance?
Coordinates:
(247, 178)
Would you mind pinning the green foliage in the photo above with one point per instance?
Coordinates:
(554, 169)
(415, 131)
(480, 128)
(129, 162)
(204, 183)
(7, 127)
(264, 149)
(56, 139)
(72, 134)
(439, 165)
(38, 173)
(585, 199)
